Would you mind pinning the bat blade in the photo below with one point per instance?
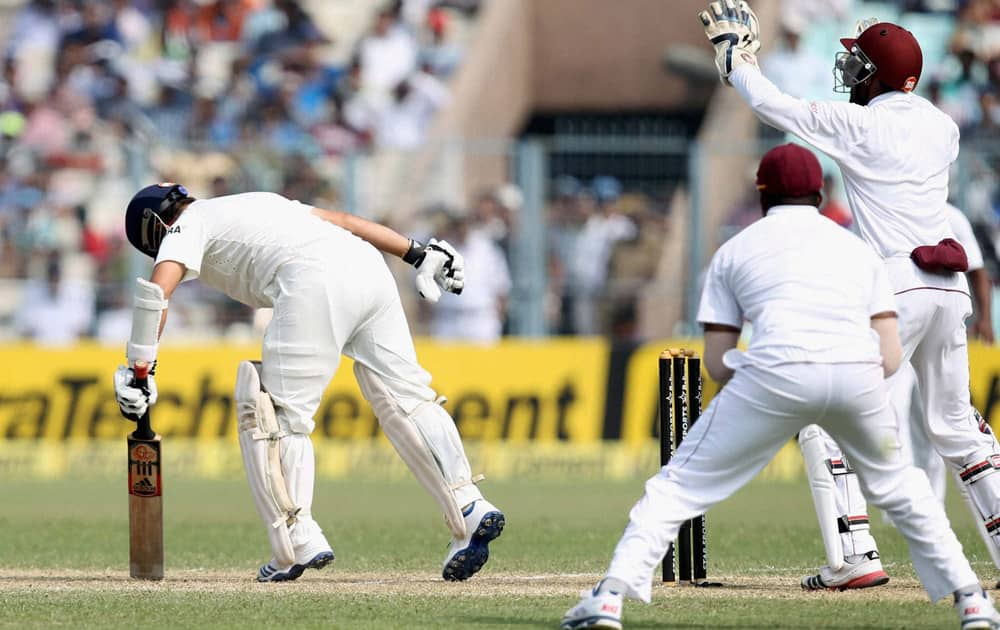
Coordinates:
(145, 500)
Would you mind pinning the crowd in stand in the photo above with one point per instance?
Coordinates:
(99, 98)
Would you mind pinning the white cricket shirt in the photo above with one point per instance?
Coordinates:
(894, 154)
(236, 243)
(806, 285)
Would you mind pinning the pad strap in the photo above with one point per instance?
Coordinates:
(839, 467)
(974, 472)
(468, 482)
(847, 523)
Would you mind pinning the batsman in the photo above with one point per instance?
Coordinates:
(323, 273)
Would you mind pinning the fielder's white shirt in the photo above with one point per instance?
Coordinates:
(236, 243)
(806, 285)
(894, 154)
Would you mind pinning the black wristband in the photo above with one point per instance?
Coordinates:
(415, 255)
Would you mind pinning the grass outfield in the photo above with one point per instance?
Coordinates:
(64, 560)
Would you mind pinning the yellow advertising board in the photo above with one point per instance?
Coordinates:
(544, 391)
(552, 407)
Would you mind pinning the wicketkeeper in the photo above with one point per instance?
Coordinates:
(323, 273)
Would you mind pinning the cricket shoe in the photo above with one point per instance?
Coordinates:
(315, 554)
(594, 611)
(976, 612)
(466, 556)
(861, 571)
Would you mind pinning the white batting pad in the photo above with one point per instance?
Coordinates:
(823, 489)
(981, 487)
(259, 436)
(146, 314)
(428, 442)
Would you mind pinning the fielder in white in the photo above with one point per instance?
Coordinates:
(324, 275)
(824, 324)
(905, 395)
(894, 150)
(852, 555)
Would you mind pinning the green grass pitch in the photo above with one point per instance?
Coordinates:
(64, 561)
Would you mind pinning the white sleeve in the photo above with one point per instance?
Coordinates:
(718, 302)
(963, 234)
(832, 127)
(882, 299)
(185, 243)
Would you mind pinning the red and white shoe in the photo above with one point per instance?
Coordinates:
(976, 612)
(862, 571)
(594, 611)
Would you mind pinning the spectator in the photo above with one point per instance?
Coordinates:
(605, 226)
(55, 311)
(794, 69)
(415, 100)
(632, 266)
(478, 314)
(441, 56)
(387, 56)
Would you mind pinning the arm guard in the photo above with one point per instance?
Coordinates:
(146, 316)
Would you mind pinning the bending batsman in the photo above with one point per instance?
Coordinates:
(894, 149)
(323, 274)
(824, 339)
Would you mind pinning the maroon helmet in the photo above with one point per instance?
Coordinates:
(884, 50)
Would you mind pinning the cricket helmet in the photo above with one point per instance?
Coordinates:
(150, 214)
(884, 50)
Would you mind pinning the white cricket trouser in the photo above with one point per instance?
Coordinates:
(347, 303)
(932, 330)
(913, 438)
(756, 413)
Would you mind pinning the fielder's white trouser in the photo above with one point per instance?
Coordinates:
(932, 330)
(917, 447)
(912, 434)
(750, 419)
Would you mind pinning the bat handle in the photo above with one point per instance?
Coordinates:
(141, 373)
(142, 431)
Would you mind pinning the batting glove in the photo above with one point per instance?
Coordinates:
(439, 266)
(734, 30)
(133, 401)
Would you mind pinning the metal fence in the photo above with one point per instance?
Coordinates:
(600, 235)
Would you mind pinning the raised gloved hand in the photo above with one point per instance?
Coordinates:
(734, 30)
(133, 401)
(862, 25)
(439, 266)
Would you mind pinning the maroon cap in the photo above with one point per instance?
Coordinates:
(894, 51)
(790, 170)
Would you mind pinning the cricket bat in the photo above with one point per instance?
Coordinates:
(145, 496)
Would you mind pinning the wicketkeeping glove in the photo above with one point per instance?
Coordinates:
(133, 401)
(734, 30)
(439, 266)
